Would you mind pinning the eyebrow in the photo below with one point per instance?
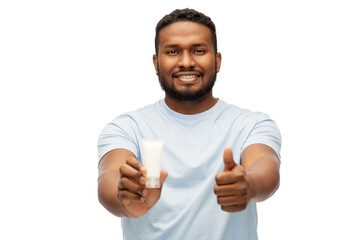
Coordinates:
(171, 46)
(200, 45)
(193, 45)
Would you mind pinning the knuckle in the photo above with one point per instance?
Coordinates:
(226, 209)
(216, 189)
(125, 195)
(121, 194)
(239, 176)
(240, 187)
(122, 168)
(217, 178)
(133, 162)
(128, 159)
(123, 181)
(138, 165)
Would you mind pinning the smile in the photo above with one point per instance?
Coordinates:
(187, 79)
(188, 76)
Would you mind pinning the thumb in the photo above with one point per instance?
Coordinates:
(163, 176)
(228, 159)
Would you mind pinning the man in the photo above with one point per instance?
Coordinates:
(218, 160)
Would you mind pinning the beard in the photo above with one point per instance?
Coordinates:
(188, 94)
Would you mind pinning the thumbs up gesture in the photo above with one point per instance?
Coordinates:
(233, 187)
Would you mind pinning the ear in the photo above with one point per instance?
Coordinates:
(155, 61)
(218, 61)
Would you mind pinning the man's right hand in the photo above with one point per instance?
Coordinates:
(135, 199)
(121, 185)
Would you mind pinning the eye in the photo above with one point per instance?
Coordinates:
(172, 52)
(199, 51)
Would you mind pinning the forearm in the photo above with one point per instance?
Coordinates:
(108, 192)
(264, 178)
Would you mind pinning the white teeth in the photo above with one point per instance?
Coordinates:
(188, 76)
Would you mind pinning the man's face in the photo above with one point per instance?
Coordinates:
(186, 63)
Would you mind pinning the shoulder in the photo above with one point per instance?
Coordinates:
(137, 115)
(242, 115)
(249, 122)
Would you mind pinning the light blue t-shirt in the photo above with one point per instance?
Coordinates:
(193, 155)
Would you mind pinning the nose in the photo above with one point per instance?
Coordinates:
(186, 60)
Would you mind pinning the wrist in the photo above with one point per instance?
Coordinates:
(253, 186)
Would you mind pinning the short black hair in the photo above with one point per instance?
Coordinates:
(186, 14)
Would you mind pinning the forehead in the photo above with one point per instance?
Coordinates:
(185, 33)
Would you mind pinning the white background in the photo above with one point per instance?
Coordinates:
(69, 67)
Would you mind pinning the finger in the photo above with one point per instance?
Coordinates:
(229, 163)
(130, 172)
(232, 200)
(131, 186)
(234, 208)
(229, 190)
(136, 164)
(163, 176)
(126, 195)
(230, 177)
(228, 200)
(224, 178)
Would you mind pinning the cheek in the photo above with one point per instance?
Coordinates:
(167, 64)
(207, 64)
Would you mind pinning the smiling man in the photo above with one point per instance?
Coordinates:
(218, 160)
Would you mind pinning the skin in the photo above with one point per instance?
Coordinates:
(121, 185)
(256, 179)
(186, 61)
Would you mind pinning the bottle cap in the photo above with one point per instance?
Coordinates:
(152, 182)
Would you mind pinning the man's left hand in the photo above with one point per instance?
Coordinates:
(233, 187)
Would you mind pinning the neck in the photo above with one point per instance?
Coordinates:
(191, 107)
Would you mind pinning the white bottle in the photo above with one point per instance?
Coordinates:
(152, 156)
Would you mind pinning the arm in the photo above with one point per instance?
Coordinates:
(262, 166)
(255, 180)
(121, 185)
(109, 178)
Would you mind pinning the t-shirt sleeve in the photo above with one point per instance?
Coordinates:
(264, 131)
(119, 134)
